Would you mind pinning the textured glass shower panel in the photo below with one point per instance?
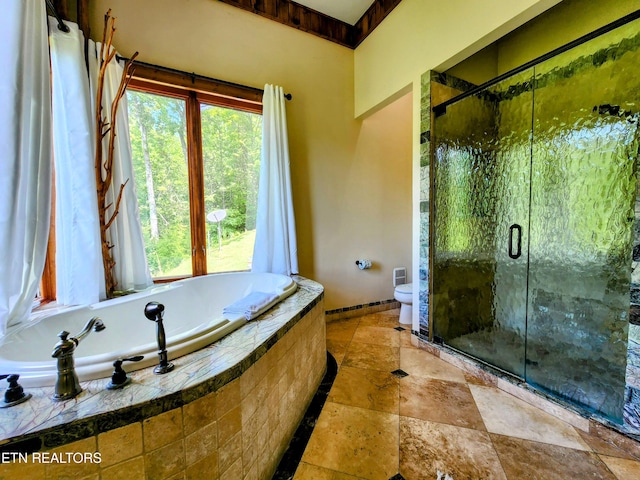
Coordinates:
(583, 190)
(481, 194)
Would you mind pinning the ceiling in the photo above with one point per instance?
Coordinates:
(349, 11)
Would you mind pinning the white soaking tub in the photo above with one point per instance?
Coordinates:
(193, 319)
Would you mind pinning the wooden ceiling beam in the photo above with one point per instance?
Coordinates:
(371, 19)
(308, 20)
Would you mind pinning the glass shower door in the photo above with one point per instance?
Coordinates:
(583, 191)
(481, 214)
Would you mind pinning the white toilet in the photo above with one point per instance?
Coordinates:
(404, 294)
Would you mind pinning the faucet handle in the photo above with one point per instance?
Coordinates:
(14, 393)
(119, 377)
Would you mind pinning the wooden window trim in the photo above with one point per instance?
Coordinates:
(167, 81)
(195, 90)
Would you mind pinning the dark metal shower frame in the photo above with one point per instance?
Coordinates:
(441, 108)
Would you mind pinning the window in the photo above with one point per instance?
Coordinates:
(196, 159)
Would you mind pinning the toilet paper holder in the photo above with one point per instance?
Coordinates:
(363, 264)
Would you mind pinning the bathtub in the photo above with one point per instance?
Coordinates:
(193, 319)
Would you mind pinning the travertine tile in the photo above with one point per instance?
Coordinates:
(73, 470)
(623, 468)
(18, 469)
(199, 412)
(507, 415)
(130, 470)
(228, 397)
(356, 441)
(162, 429)
(603, 447)
(542, 403)
(166, 461)
(629, 445)
(422, 364)
(405, 338)
(234, 471)
(312, 472)
(230, 452)
(228, 425)
(381, 319)
(201, 443)
(427, 448)
(365, 388)
(206, 467)
(342, 330)
(375, 357)
(120, 444)
(377, 336)
(541, 461)
(439, 401)
(337, 349)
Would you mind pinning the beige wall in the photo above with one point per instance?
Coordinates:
(421, 35)
(351, 179)
(556, 27)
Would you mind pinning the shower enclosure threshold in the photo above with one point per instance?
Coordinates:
(539, 397)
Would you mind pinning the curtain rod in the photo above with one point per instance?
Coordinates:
(442, 108)
(288, 96)
(61, 24)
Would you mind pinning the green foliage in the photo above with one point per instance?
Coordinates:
(231, 142)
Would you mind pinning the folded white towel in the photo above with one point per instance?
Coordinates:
(252, 305)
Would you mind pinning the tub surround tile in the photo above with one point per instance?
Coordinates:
(120, 444)
(166, 461)
(202, 468)
(193, 422)
(77, 470)
(200, 444)
(18, 470)
(162, 429)
(130, 470)
(199, 412)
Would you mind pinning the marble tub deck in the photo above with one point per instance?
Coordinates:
(41, 424)
(398, 412)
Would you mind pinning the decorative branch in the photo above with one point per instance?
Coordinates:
(104, 166)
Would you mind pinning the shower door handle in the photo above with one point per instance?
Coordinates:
(515, 228)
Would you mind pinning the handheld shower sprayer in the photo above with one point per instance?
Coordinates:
(154, 311)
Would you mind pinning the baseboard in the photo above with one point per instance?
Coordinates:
(358, 310)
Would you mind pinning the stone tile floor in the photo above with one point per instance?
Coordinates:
(398, 412)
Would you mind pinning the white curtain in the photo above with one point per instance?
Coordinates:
(275, 249)
(131, 269)
(25, 169)
(79, 270)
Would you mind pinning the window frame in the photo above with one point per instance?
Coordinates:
(194, 90)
